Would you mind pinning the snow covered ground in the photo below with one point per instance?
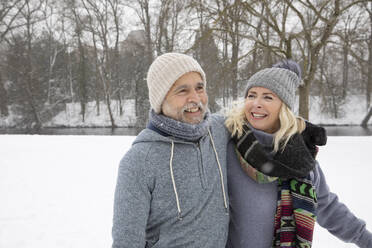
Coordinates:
(57, 191)
(352, 113)
(71, 116)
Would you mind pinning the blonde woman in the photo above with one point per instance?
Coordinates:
(276, 189)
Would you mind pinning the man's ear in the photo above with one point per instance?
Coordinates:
(161, 107)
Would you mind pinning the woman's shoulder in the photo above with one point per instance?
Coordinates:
(316, 175)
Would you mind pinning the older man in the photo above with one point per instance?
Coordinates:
(171, 186)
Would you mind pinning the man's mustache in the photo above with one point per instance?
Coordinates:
(190, 105)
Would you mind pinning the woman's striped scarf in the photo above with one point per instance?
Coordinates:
(296, 206)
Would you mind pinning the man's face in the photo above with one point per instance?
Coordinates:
(187, 100)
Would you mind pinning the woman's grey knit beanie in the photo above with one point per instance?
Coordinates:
(165, 71)
(283, 79)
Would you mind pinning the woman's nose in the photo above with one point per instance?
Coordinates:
(257, 103)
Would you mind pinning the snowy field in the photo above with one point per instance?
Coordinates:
(351, 113)
(57, 191)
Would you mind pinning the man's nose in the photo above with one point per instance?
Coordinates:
(193, 96)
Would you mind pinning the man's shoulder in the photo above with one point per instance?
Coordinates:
(218, 119)
(139, 148)
(146, 144)
(218, 127)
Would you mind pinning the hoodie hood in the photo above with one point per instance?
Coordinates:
(148, 135)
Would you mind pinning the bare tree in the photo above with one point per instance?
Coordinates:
(161, 22)
(349, 31)
(206, 52)
(53, 25)
(369, 80)
(66, 28)
(82, 77)
(142, 8)
(230, 21)
(331, 84)
(101, 16)
(116, 15)
(143, 12)
(30, 16)
(9, 12)
(167, 25)
(315, 25)
(359, 39)
(227, 17)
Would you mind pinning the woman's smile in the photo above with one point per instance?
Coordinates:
(262, 107)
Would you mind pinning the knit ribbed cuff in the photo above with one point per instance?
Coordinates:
(365, 240)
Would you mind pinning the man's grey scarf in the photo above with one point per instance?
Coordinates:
(181, 130)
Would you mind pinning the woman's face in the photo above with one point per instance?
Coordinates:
(262, 108)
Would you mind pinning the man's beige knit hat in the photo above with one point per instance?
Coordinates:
(165, 71)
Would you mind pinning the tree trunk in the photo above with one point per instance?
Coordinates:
(235, 55)
(29, 80)
(304, 91)
(369, 77)
(82, 80)
(322, 75)
(254, 63)
(345, 72)
(141, 99)
(366, 119)
(226, 75)
(97, 92)
(3, 99)
(118, 95)
(267, 53)
(234, 69)
(30, 96)
(108, 102)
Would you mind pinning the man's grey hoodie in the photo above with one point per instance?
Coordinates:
(169, 192)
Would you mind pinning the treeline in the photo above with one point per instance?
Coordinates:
(78, 51)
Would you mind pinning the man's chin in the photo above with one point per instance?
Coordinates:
(193, 120)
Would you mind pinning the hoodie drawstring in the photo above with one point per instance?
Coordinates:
(220, 169)
(174, 182)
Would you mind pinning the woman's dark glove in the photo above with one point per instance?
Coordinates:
(297, 156)
(296, 160)
(314, 136)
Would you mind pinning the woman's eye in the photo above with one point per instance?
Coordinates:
(250, 96)
(268, 98)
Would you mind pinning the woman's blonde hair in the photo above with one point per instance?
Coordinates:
(289, 124)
